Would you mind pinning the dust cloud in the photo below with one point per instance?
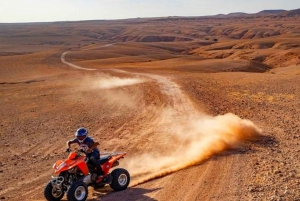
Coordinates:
(101, 91)
(108, 82)
(193, 139)
(183, 136)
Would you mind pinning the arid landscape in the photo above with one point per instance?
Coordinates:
(207, 108)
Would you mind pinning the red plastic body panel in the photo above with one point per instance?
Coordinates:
(83, 167)
(106, 166)
(61, 166)
(79, 161)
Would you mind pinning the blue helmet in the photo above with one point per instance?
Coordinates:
(81, 134)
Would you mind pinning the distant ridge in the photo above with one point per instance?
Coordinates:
(237, 14)
(277, 12)
(267, 12)
(264, 13)
(290, 13)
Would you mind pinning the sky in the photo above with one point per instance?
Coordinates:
(75, 10)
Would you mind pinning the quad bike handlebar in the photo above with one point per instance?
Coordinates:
(68, 150)
(113, 153)
(79, 151)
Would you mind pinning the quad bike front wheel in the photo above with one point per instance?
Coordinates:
(121, 179)
(78, 191)
(52, 194)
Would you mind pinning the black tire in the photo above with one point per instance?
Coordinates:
(78, 191)
(52, 195)
(121, 179)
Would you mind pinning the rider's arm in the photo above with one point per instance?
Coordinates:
(70, 142)
(95, 144)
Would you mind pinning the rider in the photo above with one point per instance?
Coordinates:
(88, 146)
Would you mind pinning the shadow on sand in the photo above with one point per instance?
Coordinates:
(130, 194)
(265, 141)
(249, 146)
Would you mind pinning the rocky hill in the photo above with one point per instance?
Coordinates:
(270, 12)
(291, 13)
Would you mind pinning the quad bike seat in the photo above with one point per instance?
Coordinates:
(104, 159)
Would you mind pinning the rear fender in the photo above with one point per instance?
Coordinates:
(112, 162)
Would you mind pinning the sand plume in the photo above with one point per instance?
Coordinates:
(204, 137)
(185, 136)
(113, 82)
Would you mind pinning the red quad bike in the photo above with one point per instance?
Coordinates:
(75, 174)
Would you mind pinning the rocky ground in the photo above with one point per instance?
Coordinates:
(270, 100)
(149, 108)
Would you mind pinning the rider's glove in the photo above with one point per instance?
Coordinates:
(68, 150)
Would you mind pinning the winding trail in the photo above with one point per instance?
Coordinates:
(63, 59)
(198, 137)
(181, 103)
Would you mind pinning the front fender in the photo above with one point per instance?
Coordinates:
(61, 166)
(57, 163)
(83, 167)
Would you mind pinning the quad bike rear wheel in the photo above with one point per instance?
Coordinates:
(121, 179)
(52, 194)
(78, 191)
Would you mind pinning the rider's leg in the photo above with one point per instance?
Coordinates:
(94, 159)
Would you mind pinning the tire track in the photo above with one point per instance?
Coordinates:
(179, 122)
(63, 59)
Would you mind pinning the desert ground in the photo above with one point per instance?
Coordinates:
(206, 108)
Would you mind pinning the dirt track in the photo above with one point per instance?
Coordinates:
(156, 113)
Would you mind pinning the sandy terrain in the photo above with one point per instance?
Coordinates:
(206, 108)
